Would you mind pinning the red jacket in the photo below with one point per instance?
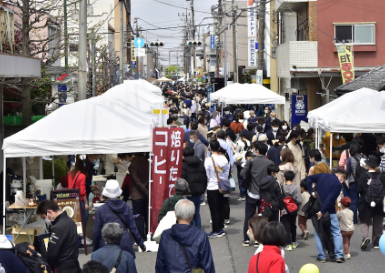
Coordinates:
(80, 183)
(270, 261)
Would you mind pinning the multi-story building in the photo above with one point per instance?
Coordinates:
(308, 32)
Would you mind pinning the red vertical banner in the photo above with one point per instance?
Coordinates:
(167, 159)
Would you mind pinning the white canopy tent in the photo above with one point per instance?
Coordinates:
(145, 85)
(135, 95)
(360, 111)
(247, 94)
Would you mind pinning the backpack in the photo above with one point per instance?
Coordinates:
(31, 258)
(307, 150)
(359, 170)
(290, 204)
(375, 191)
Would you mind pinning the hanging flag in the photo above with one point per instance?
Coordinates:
(345, 57)
(166, 167)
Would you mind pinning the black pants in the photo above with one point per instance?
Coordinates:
(193, 117)
(140, 206)
(251, 206)
(226, 208)
(68, 267)
(216, 203)
(289, 222)
(275, 217)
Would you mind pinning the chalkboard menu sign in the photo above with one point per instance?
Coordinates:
(68, 200)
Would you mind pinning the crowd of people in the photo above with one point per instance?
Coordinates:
(283, 178)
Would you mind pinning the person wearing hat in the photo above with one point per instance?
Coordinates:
(182, 189)
(116, 211)
(8, 259)
(345, 218)
(242, 146)
(370, 212)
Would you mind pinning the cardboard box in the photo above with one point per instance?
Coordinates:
(23, 236)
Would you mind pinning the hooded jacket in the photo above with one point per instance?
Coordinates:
(105, 215)
(289, 167)
(194, 172)
(170, 258)
(270, 192)
(222, 167)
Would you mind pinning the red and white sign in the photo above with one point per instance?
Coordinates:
(166, 167)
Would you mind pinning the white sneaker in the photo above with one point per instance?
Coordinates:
(203, 203)
(88, 241)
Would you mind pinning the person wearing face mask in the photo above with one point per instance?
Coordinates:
(77, 180)
(273, 133)
(267, 111)
(262, 123)
(336, 142)
(188, 102)
(185, 112)
(226, 115)
(199, 148)
(318, 166)
(269, 120)
(63, 250)
(299, 154)
(284, 129)
(124, 160)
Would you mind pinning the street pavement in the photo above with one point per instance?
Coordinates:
(230, 256)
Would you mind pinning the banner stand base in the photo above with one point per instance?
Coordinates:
(151, 246)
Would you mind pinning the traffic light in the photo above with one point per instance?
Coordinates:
(194, 43)
(156, 43)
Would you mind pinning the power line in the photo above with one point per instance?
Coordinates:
(176, 6)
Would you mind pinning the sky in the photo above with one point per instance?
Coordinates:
(153, 14)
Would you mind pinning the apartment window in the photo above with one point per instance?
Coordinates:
(53, 44)
(356, 34)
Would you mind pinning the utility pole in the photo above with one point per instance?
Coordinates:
(93, 48)
(65, 38)
(225, 47)
(82, 84)
(138, 58)
(261, 34)
(193, 37)
(218, 33)
(235, 46)
(121, 40)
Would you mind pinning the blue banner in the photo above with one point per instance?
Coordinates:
(62, 89)
(298, 109)
(212, 41)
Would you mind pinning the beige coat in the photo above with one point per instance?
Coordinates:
(203, 130)
(289, 167)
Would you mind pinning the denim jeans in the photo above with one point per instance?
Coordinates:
(140, 206)
(242, 190)
(354, 196)
(196, 199)
(337, 239)
(83, 209)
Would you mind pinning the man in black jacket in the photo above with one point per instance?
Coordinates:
(63, 248)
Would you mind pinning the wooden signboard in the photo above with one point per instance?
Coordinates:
(68, 200)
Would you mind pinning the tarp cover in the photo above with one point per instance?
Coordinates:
(247, 94)
(360, 111)
(145, 85)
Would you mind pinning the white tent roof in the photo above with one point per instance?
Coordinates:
(360, 111)
(134, 94)
(247, 94)
(164, 79)
(146, 86)
(84, 127)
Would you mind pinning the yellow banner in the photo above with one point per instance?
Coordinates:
(345, 56)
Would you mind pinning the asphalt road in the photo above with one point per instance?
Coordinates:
(231, 257)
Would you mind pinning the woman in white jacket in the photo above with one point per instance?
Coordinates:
(216, 165)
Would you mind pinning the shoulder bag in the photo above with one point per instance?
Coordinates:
(117, 262)
(195, 269)
(247, 179)
(223, 184)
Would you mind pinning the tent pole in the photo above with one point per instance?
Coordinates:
(24, 176)
(41, 168)
(331, 155)
(4, 191)
(149, 185)
(53, 173)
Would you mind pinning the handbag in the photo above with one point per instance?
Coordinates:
(195, 269)
(223, 184)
